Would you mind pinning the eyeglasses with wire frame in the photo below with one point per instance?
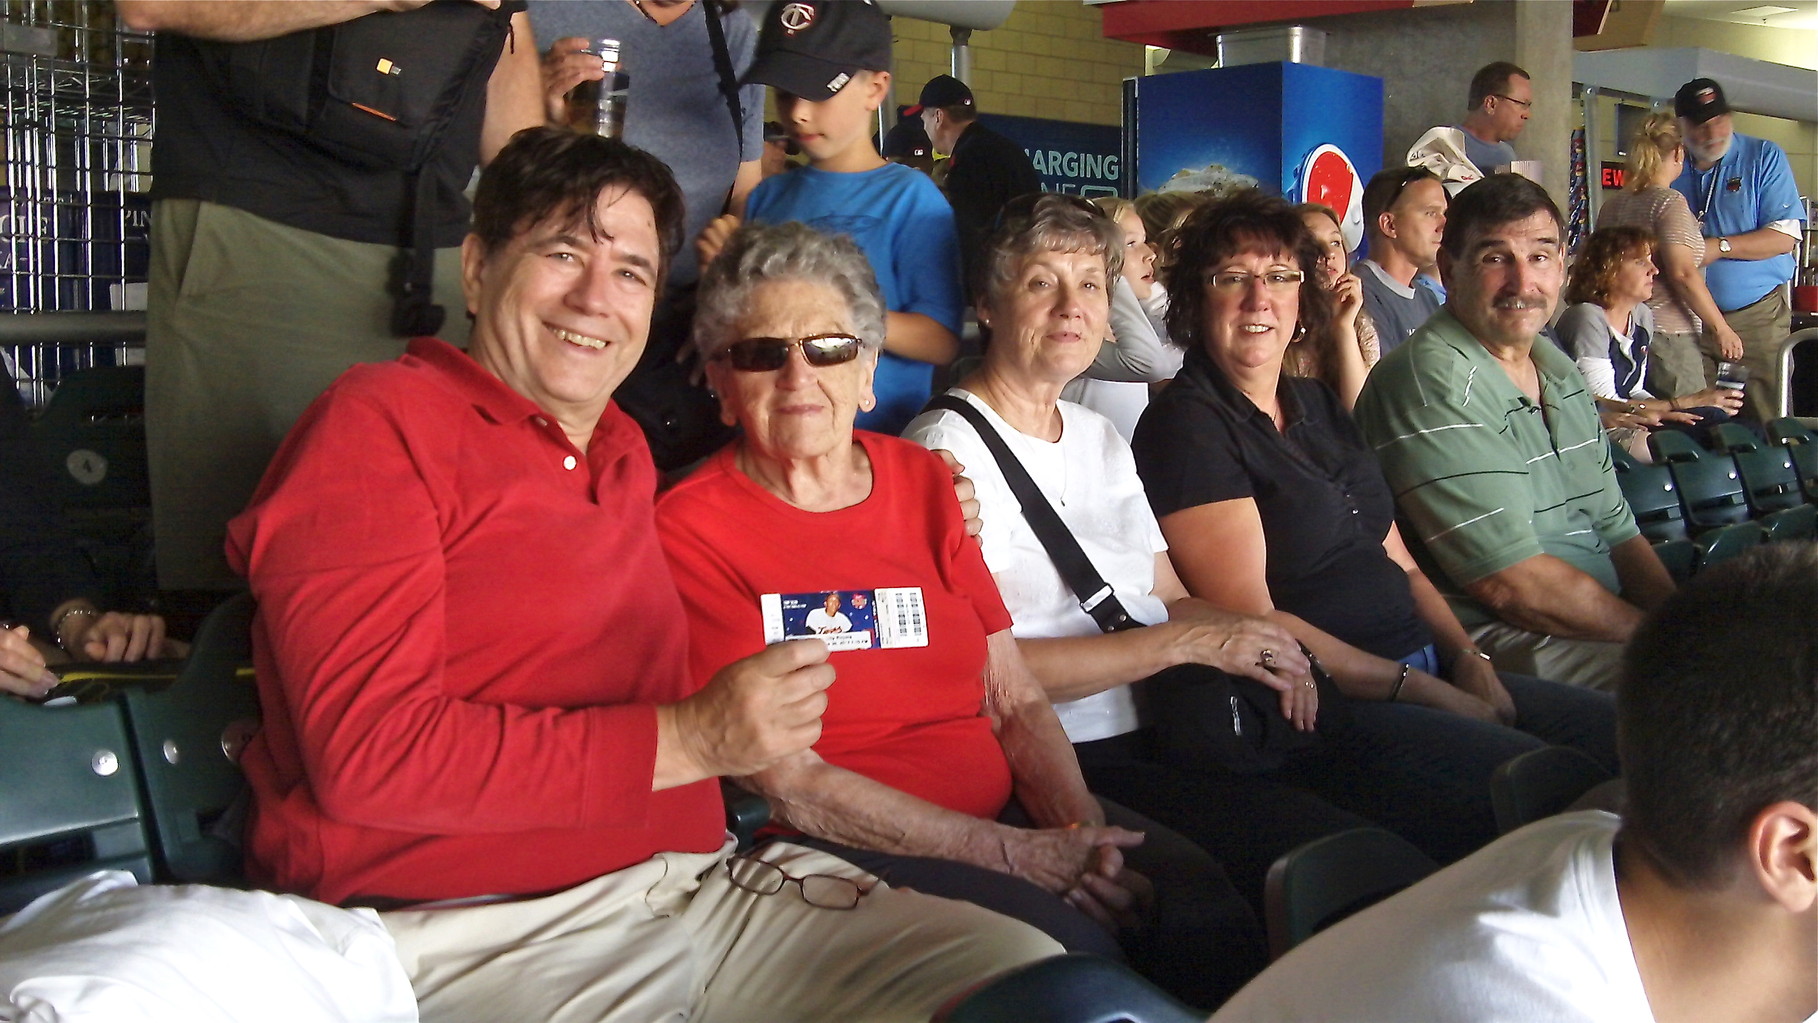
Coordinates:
(765, 354)
(1233, 281)
(823, 891)
(1522, 103)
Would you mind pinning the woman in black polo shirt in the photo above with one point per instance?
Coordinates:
(1272, 504)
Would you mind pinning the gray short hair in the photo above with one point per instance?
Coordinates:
(758, 254)
(1046, 222)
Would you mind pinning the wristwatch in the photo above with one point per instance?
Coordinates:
(1723, 246)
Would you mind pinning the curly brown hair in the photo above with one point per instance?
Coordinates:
(1595, 272)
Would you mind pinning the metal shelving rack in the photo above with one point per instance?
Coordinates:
(74, 213)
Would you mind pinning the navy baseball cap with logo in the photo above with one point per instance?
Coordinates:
(941, 91)
(907, 140)
(1699, 100)
(812, 48)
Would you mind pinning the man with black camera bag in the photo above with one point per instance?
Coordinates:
(311, 160)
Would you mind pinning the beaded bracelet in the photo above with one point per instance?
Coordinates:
(57, 626)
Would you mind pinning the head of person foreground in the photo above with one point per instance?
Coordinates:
(1699, 904)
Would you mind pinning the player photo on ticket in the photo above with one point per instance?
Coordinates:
(878, 619)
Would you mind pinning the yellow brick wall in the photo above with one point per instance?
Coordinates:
(1048, 60)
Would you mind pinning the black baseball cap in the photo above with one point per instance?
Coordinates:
(907, 139)
(941, 91)
(812, 48)
(1699, 100)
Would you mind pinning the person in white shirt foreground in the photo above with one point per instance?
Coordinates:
(1699, 904)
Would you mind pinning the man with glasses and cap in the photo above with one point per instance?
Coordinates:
(1741, 189)
(479, 716)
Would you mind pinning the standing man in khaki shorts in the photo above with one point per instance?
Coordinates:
(274, 262)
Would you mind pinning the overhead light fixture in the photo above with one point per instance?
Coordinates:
(1764, 12)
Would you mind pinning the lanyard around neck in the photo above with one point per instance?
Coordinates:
(1709, 192)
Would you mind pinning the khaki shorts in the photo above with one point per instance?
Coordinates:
(672, 939)
(249, 321)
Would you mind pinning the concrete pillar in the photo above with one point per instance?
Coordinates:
(1426, 56)
(1543, 45)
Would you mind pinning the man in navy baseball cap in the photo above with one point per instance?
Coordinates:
(985, 170)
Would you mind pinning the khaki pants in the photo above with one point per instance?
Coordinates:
(1581, 662)
(673, 939)
(1675, 365)
(249, 321)
(1764, 328)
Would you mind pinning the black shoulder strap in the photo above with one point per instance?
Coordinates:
(722, 63)
(1094, 594)
(414, 267)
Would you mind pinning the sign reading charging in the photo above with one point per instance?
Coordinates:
(1079, 159)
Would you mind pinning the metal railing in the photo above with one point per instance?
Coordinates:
(75, 217)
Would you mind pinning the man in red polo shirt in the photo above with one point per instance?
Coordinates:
(471, 657)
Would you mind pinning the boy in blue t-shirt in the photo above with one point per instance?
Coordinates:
(829, 62)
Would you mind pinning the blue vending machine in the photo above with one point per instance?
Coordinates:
(1309, 133)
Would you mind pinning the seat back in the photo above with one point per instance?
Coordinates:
(1770, 480)
(92, 431)
(1732, 437)
(187, 740)
(1320, 883)
(69, 799)
(1068, 989)
(1720, 545)
(1789, 430)
(1802, 445)
(1654, 498)
(1710, 490)
(1673, 446)
(1541, 783)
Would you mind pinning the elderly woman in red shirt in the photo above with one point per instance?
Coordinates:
(941, 765)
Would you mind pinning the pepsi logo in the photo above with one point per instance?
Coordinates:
(1328, 177)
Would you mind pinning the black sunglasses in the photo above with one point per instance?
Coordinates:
(764, 354)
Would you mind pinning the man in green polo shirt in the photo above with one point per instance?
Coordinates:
(1497, 458)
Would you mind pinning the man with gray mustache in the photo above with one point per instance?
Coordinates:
(1742, 191)
(1497, 458)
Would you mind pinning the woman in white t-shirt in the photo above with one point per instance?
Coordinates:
(1046, 281)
